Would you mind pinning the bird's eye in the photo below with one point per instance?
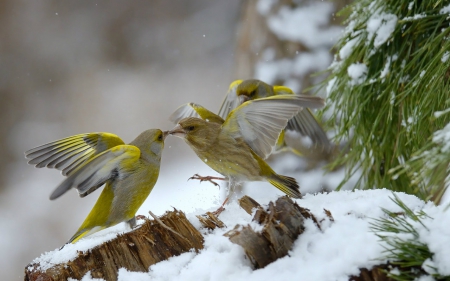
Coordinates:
(160, 137)
(190, 128)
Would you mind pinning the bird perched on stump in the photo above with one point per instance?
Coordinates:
(128, 171)
(237, 146)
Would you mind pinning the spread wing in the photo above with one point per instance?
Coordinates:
(70, 153)
(107, 165)
(259, 122)
(231, 100)
(194, 110)
(306, 124)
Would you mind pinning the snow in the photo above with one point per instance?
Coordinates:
(330, 85)
(386, 68)
(301, 65)
(305, 63)
(333, 253)
(445, 56)
(445, 10)
(438, 114)
(442, 137)
(87, 277)
(436, 235)
(305, 24)
(347, 49)
(415, 17)
(381, 27)
(357, 72)
(264, 6)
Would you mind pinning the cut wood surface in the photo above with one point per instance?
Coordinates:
(135, 251)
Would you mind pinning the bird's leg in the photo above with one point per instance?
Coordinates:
(207, 178)
(132, 222)
(221, 208)
(232, 185)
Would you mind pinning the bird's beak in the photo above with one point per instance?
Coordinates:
(165, 134)
(178, 131)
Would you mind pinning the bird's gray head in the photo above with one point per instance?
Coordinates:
(151, 141)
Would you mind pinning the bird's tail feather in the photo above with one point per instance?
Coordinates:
(286, 184)
(83, 232)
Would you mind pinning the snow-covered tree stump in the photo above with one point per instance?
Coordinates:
(270, 236)
(136, 251)
(281, 224)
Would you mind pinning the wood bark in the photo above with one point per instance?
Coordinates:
(136, 251)
(210, 221)
(281, 223)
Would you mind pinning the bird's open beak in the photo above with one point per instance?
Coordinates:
(178, 131)
(165, 134)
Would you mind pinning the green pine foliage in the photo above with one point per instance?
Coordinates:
(429, 168)
(390, 76)
(403, 248)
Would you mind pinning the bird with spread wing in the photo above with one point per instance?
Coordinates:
(237, 145)
(303, 122)
(128, 171)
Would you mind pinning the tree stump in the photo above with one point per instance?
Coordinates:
(281, 224)
(136, 251)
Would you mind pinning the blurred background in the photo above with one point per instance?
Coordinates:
(70, 67)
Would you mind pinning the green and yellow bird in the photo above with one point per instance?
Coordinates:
(128, 171)
(303, 122)
(237, 146)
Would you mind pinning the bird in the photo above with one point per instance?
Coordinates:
(128, 171)
(303, 122)
(237, 145)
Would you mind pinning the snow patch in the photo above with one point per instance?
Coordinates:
(415, 17)
(306, 24)
(381, 27)
(445, 10)
(347, 49)
(442, 137)
(264, 6)
(330, 85)
(445, 56)
(357, 72)
(88, 277)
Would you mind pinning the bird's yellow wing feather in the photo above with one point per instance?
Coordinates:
(114, 162)
(259, 122)
(231, 100)
(194, 110)
(70, 153)
(282, 90)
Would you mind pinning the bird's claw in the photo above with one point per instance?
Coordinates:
(218, 211)
(207, 178)
(141, 217)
